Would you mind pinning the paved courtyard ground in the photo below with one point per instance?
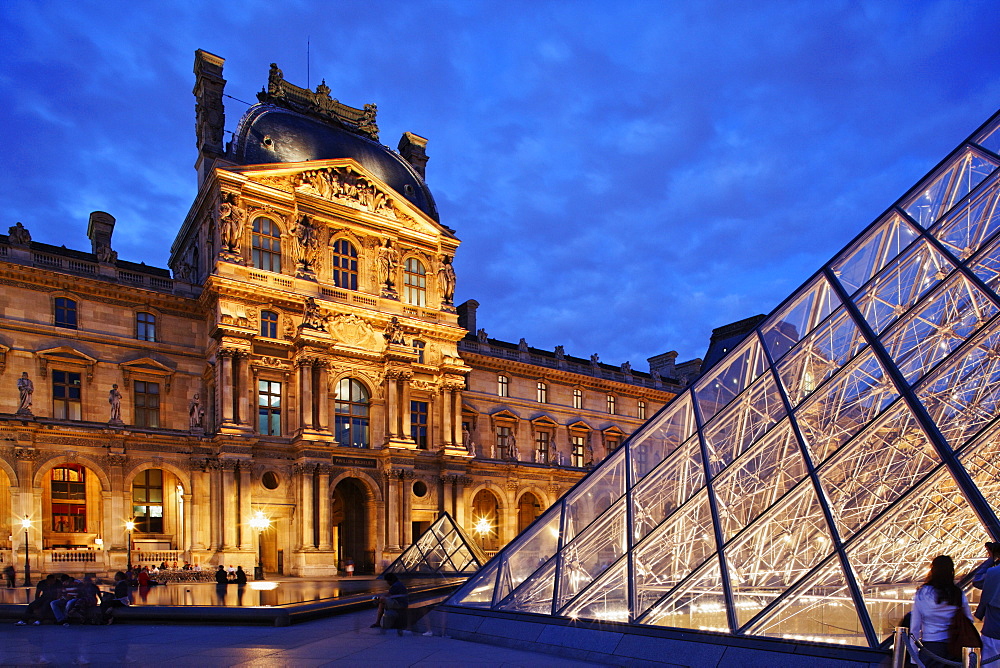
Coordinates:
(344, 640)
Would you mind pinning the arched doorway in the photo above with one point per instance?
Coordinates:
(72, 507)
(486, 520)
(349, 517)
(528, 508)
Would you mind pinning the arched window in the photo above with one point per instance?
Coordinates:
(65, 313)
(345, 265)
(503, 385)
(269, 324)
(414, 282)
(68, 487)
(145, 326)
(351, 408)
(266, 245)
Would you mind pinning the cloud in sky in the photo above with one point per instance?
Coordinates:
(623, 178)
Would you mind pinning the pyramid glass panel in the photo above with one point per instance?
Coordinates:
(443, 549)
(820, 608)
(800, 488)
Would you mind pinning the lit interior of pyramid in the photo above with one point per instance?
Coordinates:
(444, 549)
(800, 488)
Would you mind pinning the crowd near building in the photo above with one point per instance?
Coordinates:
(301, 360)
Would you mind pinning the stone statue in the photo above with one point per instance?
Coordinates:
(388, 258)
(467, 441)
(306, 244)
(195, 413)
(656, 375)
(312, 318)
(115, 399)
(230, 222)
(560, 353)
(18, 235)
(594, 359)
(512, 448)
(446, 279)
(481, 336)
(522, 345)
(274, 79)
(105, 255)
(626, 368)
(393, 332)
(25, 389)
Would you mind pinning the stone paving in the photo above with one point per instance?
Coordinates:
(344, 640)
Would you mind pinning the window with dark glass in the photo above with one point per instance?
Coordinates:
(578, 454)
(66, 395)
(68, 485)
(414, 282)
(577, 398)
(266, 245)
(542, 442)
(418, 423)
(641, 413)
(542, 392)
(65, 313)
(611, 444)
(147, 501)
(503, 442)
(503, 386)
(269, 324)
(418, 348)
(145, 326)
(345, 265)
(146, 398)
(351, 414)
(269, 408)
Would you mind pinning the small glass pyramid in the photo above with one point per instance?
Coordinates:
(800, 488)
(444, 549)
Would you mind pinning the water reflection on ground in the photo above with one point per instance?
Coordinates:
(262, 593)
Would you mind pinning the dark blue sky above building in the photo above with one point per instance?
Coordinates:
(624, 176)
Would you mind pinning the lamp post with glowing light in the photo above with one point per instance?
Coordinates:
(130, 527)
(26, 523)
(483, 527)
(259, 523)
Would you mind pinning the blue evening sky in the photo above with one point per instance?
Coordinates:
(624, 176)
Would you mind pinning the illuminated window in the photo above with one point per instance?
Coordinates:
(418, 423)
(147, 501)
(345, 265)
(611, 404)
(269, 408)
(578, 454)
(65, 313)
(542, 391)
(414, 283)
(269, 324)
(146, 399)
(418, 348)
(145, 326)
(577, 399)
(543, 441)
(351, 414)
(641, 412)
(68, 485)
(66, 395)
(503, 386)
(266, 245)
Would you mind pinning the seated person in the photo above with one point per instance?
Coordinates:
(395, 602)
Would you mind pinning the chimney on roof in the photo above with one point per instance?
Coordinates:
(99, 230)
(413, 148)
(467, 315)
(664, 364)
(209, 111)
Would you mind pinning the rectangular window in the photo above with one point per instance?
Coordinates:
(66, 396)
(641, 413)
(269, 324)
(147, 501)
(146, 399)
(503, 386)
(69, 499)
(501, 451)
(578, 399)
(543, 440)
(418, 348)
(418, 423)
(269, 408)
(543, 393)
(612, 402)
(578, 456)
(145, 326)
(65, 315)
(611, 444)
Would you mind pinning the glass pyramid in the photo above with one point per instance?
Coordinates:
(444, 549)
(800, 487)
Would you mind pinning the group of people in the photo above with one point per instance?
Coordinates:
(235, 576)
(62, 599)
(939, 601)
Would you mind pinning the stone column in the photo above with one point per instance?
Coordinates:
(243, 389)
(225, 357)
(323, 397)
(324, 509)
(458, 497)
(456, 424)
(392, 505)
(404, 408)
(187, 519)
(446, 414)
(230, 503)
(214, 478)
(392, 404)
(198, 511)
(117, 508)
(405, 496)
(305, 394)
(245, 496)
(307, 537)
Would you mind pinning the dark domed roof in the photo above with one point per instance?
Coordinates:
(269, 134)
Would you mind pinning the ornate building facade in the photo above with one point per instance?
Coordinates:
(301, 359)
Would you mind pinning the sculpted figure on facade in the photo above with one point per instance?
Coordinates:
(470, 447)
(105, 255)
(560, 353)
(115, 400)
(312, 317)
(388, 258)
(195, 412)
(353, 330)
(25, 389)
(18, 235)
(306, 239)
(522, 345)
(393, 333)
(274, 78)
(481, 336)
(447, 280)
(230, 220)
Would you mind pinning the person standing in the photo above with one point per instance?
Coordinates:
(988, 609)
(992, 559)
(10, 575)
(934, 607)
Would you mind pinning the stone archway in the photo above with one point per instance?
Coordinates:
(528, 508)
(351, 520)
(486, 520)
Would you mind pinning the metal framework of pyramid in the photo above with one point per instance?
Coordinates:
(444, 549)
(802, 485)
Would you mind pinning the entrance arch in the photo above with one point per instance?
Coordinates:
(350, 517)
(528, 508)
(486, 520)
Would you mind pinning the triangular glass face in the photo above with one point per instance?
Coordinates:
(847, 440)
(819, 608)
(443, 549)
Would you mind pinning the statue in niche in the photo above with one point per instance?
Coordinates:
(481, 336)
(18, 235)
(388, 258)
(447, 279)
(512, 452)
(115, 400)
(312, 318)
(230, 222)
(306, 244)
(470, 447)
(25, 389)
(195, 412)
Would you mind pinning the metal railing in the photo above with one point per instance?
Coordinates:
(906, 650)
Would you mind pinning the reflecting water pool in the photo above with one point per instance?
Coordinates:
(262, 593)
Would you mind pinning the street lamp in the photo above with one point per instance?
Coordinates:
(26, 523)
(259, 523)
(130, 527)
